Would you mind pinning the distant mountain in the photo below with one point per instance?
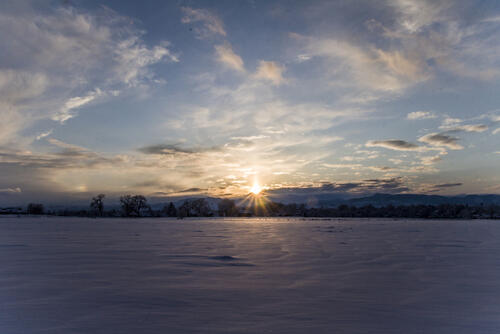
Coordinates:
(378, 199)
(312, 200)
(321, 199)
(211, 201)
(415, 199)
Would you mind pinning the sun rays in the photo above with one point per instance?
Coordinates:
(256, 188)
(256, 201)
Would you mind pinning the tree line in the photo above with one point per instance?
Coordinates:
(137, 206)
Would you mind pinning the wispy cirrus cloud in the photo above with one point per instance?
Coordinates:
(169, 149)
(471, 128)
(414, 42)
(446, 139)
(440, 31)
(393, 144)
(414, 16)
(465, 128)
(431, 160)
(421, 115)
(371, 68)
(211, 25)
(17, 88)
(441, 140)
(44, 134)
(68, 109)
(448, 185)
(226, 56)
(387, 185)
(270, 70)
(67, 156)
(433, 188)
(15, 190)
(79, 56)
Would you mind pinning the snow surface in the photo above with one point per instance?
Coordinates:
(78, 275)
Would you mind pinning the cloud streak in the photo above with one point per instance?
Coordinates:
(69, 58)
(379, 70)
(226, 56)
(16, 190)
(211, 25)
(441, 140)
(271, 71)
(170, 149)
(68, 109)
(387, 185)
(421, 115)
(393, 144)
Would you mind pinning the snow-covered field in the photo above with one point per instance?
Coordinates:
(76, 275)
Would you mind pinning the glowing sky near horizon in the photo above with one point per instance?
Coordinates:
(196, 97)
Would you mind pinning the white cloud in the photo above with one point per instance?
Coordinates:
(401, 65)
(360, 66)
(270, 70)
(451, 125)
(470, 128)
(133, 59)
(430, 160)
(250, 138)
(440, 32)
(16, 190)
(444, 139)
(496, 131)
(416, 15)
(303, 57)
(449, 121)
(44, 134)
(18, 86)
(339, 166)
(228, 57)
(17, 89)
(396, 161)
(492, 19)
(67, 110)
(441, 140)
(54, 60)
(393, 144)
(212, 25)
(420, 115)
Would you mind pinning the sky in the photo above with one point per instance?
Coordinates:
(208, 97)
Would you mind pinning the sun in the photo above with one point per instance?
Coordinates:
(256, 189)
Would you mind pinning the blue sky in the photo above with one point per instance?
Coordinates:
(169, 98)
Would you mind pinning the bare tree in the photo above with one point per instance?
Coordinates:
(97, 204)
(198, 207)
(170, 210)
(35, 209)
(132, 205)
(227, 208)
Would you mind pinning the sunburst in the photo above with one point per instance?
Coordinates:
(256, 188)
